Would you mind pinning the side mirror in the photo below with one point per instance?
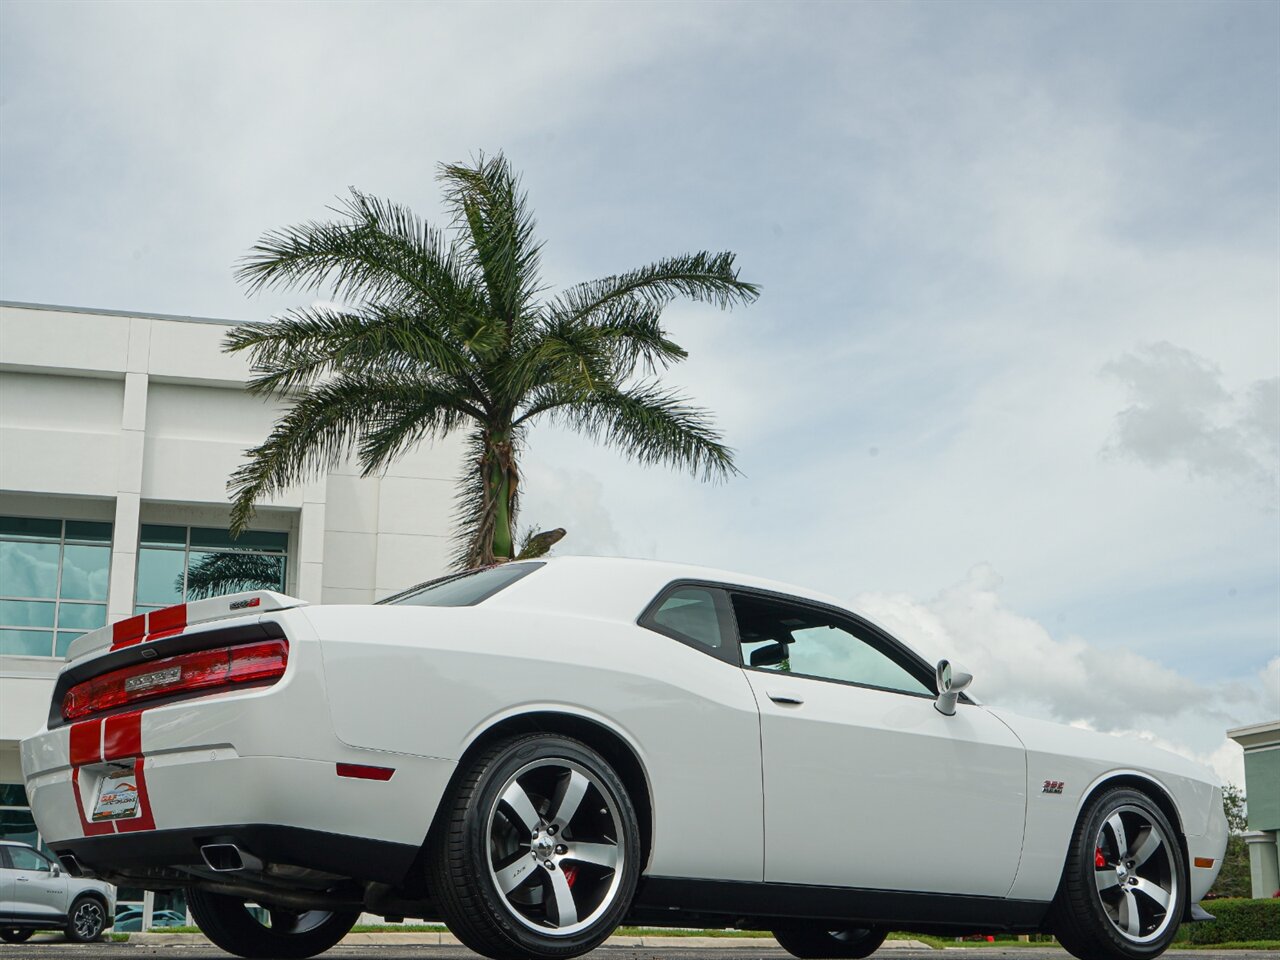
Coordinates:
(952, 681)
(55, 870)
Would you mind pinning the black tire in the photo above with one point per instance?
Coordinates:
(86, 919)
(1087, 920)
(15, 934)
(228, 923)
(463, 881)
(812, 943)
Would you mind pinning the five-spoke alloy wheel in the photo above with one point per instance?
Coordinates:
(1123, 892)
(540, 854)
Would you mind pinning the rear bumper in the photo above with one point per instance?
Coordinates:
(359, 858)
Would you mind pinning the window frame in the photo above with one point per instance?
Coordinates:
(729, 652)
(860, 629)
(62, 542)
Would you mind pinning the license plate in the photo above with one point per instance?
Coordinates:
(117, 797)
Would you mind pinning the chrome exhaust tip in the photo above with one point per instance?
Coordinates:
(228, 858)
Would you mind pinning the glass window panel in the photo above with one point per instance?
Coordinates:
(159, 535)
(88, 530)
(143, 608)
(694, 614)
(26, 613)
(26, 643)
(64, 641)
(85, 571)
(249, 540)
(28, 860)
(18, 825)
(13, 795)
(160, 576)
(29, 569)
(217, 574)
(30, 527)
(81, 616)
(466, 589)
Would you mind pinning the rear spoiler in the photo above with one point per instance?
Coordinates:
(170, 621)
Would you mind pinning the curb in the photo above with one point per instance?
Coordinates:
(449, 940)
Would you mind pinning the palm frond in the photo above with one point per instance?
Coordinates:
(490, 206)
(648, 424)
(703, 277)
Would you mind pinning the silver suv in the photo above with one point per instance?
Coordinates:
(37, 894)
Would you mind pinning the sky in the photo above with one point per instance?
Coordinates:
(1013, 384)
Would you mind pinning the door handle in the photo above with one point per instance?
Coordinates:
(789, 699)
(23, 879)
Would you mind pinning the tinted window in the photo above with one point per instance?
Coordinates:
(815, 643)
(696, 615)
(466, 589)
(24, 859)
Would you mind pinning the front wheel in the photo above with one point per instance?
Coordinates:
(289, 935)
(86, 920)
(537, 853)
(815, 944)
(1123, 892)
(15, 934)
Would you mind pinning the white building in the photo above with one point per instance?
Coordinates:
(118, 432)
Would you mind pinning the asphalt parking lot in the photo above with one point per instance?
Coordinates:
(56, 950)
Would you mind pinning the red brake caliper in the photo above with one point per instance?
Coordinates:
(1099, 860)
(570, 875)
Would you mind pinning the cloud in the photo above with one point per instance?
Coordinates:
(1181, 413)
(1019, 664)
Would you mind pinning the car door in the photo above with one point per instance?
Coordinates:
(866, 784)
(7, 906)
(38, 889)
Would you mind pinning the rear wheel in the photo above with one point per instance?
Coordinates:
(1123, 892)
(538, 854)
(15, 934)
(86, 920)
(810, 943)
(291, 935)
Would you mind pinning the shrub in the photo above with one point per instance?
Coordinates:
(1237, 920)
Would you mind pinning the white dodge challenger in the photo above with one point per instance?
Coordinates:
(538, 751)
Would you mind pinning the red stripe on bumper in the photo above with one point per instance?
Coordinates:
(86, 742)
(122, 736)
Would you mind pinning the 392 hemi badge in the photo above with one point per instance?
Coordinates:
(1053, 786)
(149, 681)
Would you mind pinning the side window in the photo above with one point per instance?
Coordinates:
(24, 859)
(815, 643)
(698, 616)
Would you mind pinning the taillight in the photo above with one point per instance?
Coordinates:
(186, 673)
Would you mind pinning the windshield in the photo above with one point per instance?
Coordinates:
(463, 589)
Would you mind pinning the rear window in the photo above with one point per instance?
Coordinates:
(463, 589)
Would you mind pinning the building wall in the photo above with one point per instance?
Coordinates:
(140, 419)
(1261, 743)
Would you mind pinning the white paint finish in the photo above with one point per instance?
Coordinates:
(865, 786)
(405, 560)
(134, 413)
(59, 462)
(60, 403)
(58, 340)
(351, 503)
(220, 414)
(859, 787)
(414, 506)
(193, 352)
(350, 559)
(446, 675)
(139, 358)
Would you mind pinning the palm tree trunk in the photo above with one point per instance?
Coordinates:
(496, 541)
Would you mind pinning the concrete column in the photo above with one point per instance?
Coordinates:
(133, 433)
(1264, 863)
(311, 529)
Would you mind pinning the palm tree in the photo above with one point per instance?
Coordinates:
(448, 330)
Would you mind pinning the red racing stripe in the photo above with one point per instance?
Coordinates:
(86, 742)
(125, 633)
(166, 622)
(145, 820)
(122, 736)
